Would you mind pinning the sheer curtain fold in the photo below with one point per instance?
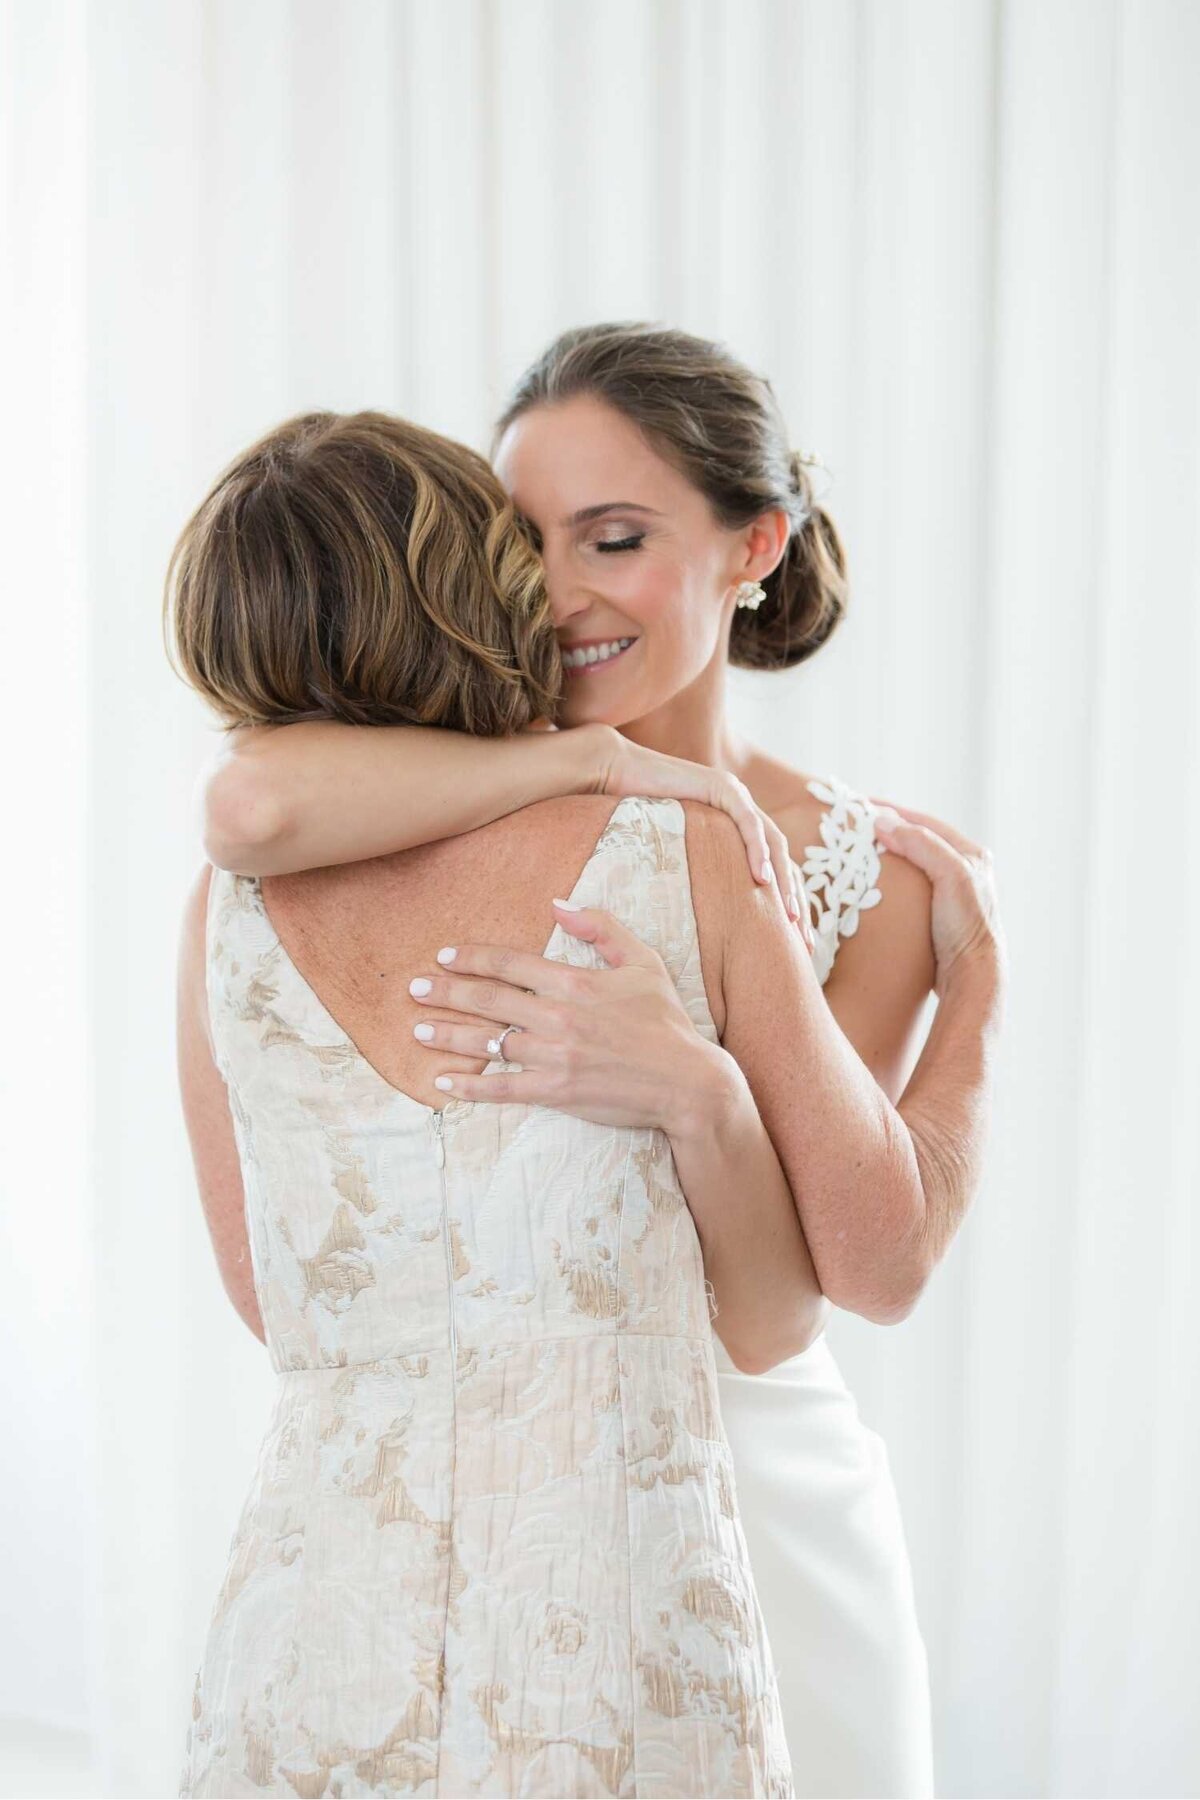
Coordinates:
(960, 237)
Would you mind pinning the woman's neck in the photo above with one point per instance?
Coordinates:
(692, 724)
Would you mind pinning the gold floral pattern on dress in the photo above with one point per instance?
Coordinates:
(491, 1544)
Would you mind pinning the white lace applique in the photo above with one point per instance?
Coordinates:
(841, 871)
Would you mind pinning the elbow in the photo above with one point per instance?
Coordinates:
(888, 1299)
(741, 1356)
(763, 1356)
(893, 1313)
(752, 1361)
(243, 816)
(882, 1279)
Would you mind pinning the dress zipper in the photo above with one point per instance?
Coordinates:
(439, 1156)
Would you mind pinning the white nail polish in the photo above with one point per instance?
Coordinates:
(424, 1032)
(569, 905)
(767, 870)
(420, 986)
(444, 1083)
(446, 956)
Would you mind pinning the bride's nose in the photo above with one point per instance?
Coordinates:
(568, 595)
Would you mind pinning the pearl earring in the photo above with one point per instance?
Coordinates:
(751, 594)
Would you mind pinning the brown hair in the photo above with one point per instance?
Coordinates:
(720, 425)
(353, 566)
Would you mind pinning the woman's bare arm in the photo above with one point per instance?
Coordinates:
(879, 986)
(880, 1188)
(206, 1115)
(943, 931)
(280, 798)
(877, 991)
(769, 1303)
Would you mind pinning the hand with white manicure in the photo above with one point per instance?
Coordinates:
(615, 1045)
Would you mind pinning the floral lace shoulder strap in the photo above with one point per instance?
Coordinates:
(841, 871)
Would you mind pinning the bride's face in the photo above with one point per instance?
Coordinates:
(634, 558)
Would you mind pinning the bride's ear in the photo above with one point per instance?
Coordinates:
(765, 540)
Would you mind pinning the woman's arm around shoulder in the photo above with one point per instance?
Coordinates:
(935, 926)
(279, 798)
(919, 902)
(848, 1156)
(207, 1116)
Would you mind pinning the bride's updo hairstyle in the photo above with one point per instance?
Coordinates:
(352, 566)
(719, 424)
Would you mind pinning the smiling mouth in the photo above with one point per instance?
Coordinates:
(585, 659)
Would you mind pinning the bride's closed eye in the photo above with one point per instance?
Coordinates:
(624, 543)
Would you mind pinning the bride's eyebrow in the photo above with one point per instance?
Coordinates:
(587, 513)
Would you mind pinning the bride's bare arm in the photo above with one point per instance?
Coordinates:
(769, 1304)
(280, 798)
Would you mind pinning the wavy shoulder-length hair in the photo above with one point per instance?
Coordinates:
(354, 566)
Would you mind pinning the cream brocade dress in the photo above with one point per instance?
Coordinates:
(492, 1541)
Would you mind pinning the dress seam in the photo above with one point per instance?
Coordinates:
(565, 1337)
(452, 1350)
(617, 1335)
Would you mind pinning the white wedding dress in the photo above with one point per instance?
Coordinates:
(815, 1490)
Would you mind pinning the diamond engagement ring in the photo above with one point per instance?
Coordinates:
(495, 1046)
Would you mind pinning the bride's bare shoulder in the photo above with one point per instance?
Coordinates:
(791, 796)
(892, 932)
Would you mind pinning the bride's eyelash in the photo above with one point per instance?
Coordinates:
(627, 543)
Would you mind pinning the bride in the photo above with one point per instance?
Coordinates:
(639, 457)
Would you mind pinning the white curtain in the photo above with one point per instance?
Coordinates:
(962, 238)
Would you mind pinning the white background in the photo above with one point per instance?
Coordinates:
(962, 239)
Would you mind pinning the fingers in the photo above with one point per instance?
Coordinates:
(910, 815)
(478, 1041)
(513, 968)
(927, 849)
(733, 797)
(484, 999)
(620, 947)
(805, 923)
(788, 878)
(528, 1087)
(516, 987)
(542, 974)
(767, 848)
(468, 1039)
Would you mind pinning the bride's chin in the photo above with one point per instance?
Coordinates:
(577, 711)
(611, 698)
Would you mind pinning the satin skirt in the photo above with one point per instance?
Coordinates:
(830, 1562)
